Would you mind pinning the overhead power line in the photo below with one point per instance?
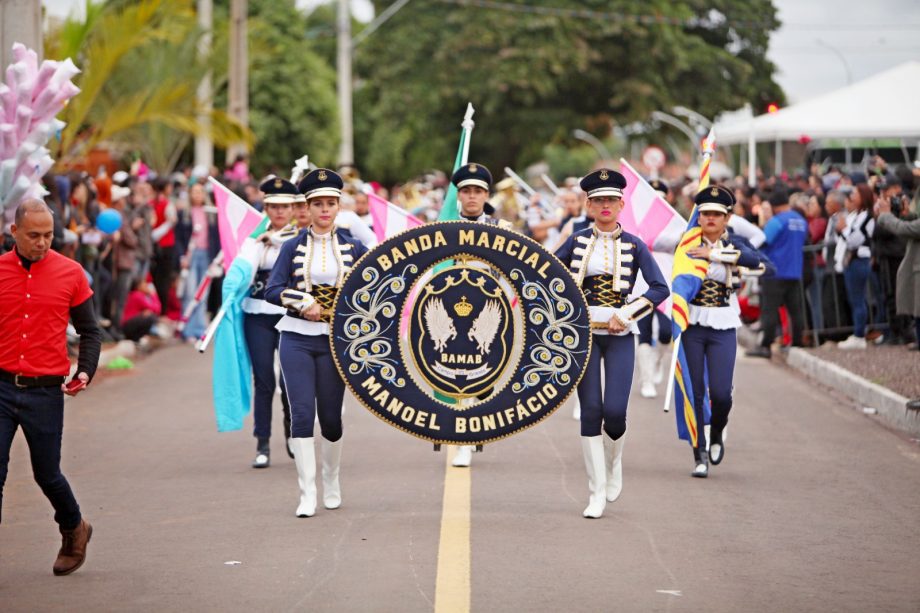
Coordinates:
(656, 19)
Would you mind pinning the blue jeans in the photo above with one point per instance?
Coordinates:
(197, 269)
(40, 413)
(607, 408)
(855, 277)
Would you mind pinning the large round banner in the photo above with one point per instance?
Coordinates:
(460, 332)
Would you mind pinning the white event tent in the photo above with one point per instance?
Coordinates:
(886, 105)
(883, 106)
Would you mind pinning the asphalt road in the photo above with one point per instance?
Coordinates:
(815, 508)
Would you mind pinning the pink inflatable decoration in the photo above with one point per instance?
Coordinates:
(29, 100)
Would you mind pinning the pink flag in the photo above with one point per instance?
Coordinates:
(388, 218)
(647, 214)
(651, 218)
(236, 220)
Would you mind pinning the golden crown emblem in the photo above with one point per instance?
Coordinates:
(714, 192)
(322, 176)
(604, 175)
(463, 308)
(277, 183)
(472, 167)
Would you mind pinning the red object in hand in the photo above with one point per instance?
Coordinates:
(75, 385)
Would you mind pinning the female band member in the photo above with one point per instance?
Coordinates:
(710, 340)
(260, 317)
(605, 262)
(305, 279)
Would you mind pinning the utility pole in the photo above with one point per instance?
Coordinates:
(343, 63)
(204, 147)
(239, 72)
(20, 22)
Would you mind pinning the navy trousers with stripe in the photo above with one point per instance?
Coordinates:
(605, 407)
(262, 342)
(712, 352)
(313, 384)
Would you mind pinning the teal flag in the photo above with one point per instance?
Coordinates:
(232, 373)
(450, 210)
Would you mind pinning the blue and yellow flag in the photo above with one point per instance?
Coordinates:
(688, 274)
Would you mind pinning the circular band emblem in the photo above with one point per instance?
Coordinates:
(460, 332)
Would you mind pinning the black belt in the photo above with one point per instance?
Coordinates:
(599, 290)
(39, 381)
(712, 294)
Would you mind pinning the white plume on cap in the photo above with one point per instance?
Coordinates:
(301, 166)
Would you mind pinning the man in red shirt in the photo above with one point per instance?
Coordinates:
(39, 291)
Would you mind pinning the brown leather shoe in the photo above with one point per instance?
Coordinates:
(73, 548)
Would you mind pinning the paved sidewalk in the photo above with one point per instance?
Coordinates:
(879, 381)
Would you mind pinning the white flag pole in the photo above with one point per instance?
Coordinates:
(467, 126)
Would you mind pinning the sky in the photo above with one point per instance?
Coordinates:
(821, 45)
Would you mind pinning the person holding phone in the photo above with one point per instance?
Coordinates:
(39, 291)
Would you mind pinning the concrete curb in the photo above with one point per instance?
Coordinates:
(892, 407)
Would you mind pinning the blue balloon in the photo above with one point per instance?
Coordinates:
(108, 221)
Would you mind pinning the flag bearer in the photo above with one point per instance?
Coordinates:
(260, 317)
(710, 340)
(473, 182)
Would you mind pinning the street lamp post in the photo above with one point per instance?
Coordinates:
(843, 60)
(677, 123)
(592, 140)
(344, 59)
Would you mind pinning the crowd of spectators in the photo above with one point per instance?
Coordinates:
(144, 273)
(838, 241)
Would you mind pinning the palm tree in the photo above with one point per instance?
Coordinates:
(141, 69)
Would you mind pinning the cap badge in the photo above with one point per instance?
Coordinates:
(277, 183)
(322, 176)
(472, 168)
(714, 191)
(604, 175)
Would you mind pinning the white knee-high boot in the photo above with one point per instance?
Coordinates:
(662, 360)
(463, 456)
(613, 456)
(646, 363)
(305, 461)
(593, 449)
(332, 458)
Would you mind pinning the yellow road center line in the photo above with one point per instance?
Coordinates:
(452, 586)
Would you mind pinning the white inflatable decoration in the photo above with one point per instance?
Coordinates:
(29, 99)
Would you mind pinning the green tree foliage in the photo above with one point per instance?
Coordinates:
(140, 73)
(535, 75)
(292, 97)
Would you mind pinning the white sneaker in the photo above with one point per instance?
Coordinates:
(853, 342)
